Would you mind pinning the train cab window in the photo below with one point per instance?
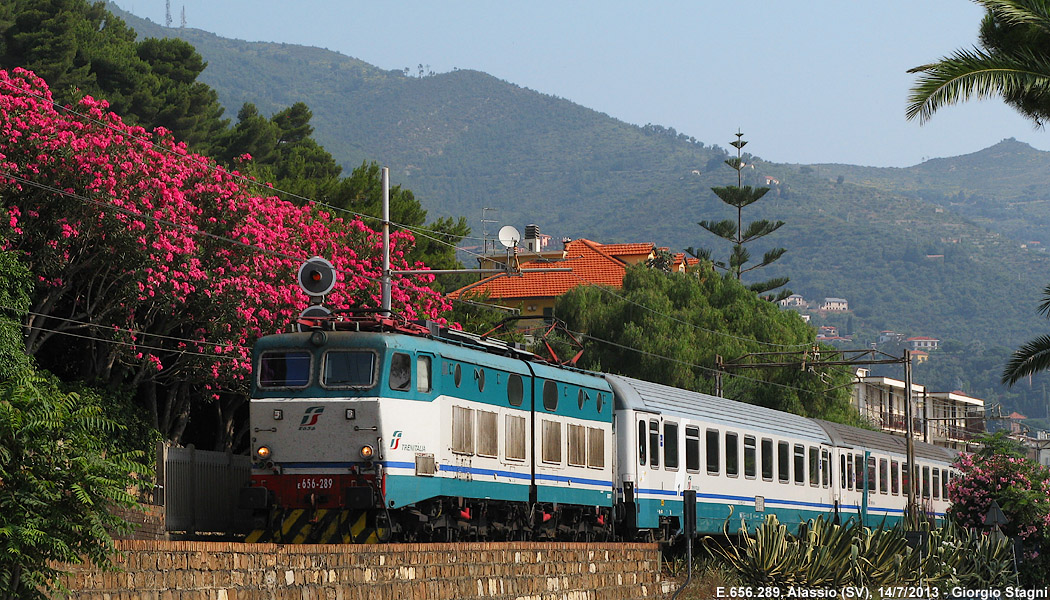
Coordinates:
(936, 484)
(767, 459)
(871, 474)
(551, 441)
(850, 478)
(642, 437)
(462, 430)
(670, 445)
(692, 449)
(423, 373)
(654, 443)
(895, 482)
(400, 371)
(457, 375)
(479, 375)
(577, 445)
(488, 433)
(600, 403)
(784, 462)
(286, 369)
(515, 390)
(925, 482)
(713, 462)
(349, 368)
(515, 437)
(883, 474)
(550, 396)
(750, 458)
(732, 454)
(842, 471)
(814, 467)
(800, 464)
(582, 398)
(825, 467)
(858, 470)
(595, 448)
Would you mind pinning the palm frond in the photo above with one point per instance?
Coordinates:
(1020, 12)
(1030, 358)
(975, 73)
(1044, 306)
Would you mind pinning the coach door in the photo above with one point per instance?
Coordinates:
(838, 482)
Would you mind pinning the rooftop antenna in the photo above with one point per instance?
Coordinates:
(485, 229)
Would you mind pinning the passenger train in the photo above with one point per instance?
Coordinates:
(368, 428)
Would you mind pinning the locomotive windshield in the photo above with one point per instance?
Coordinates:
(349, 368)
(284, 369)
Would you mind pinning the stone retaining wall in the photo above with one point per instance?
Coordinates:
(179, 570)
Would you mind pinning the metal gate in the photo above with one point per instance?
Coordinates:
(201, 489)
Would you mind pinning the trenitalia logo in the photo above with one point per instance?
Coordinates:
(395, 440)
(310, 417)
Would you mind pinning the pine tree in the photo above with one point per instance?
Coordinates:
(740, 196)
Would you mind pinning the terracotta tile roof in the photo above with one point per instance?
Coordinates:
(589, 263)
(681, 262)
(627, 249)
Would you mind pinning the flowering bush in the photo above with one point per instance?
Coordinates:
(1021, 488)
(132, 238)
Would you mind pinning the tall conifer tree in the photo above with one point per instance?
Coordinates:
(740, 196)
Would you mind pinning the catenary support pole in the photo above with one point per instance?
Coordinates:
(386, 242)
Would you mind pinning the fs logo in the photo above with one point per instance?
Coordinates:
(310, 417)
(395, 440)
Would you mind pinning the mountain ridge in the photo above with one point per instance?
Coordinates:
(465, 142)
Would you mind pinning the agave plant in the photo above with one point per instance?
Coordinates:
(824, 554)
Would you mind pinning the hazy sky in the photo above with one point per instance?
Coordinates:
(811, 81)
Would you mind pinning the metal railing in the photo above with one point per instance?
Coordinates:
(201, 488)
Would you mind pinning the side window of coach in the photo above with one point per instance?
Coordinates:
(692, 449)
(670, 445)
(642, 437)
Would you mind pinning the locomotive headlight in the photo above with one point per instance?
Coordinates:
(367, 452)
(263, 452)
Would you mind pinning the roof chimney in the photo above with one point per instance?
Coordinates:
(532, 238)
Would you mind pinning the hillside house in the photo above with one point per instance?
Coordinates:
(834, 304)
(827, 331)
(922, 343)
(889, 336)
(793, 301)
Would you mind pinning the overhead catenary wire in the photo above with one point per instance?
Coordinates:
(118, 329)
(212, 166)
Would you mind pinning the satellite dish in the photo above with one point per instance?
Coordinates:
(312, 312)
(509, 236)
(316, 277)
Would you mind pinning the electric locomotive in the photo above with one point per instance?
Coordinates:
(367, 428)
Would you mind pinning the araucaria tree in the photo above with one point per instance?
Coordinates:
(735, 232)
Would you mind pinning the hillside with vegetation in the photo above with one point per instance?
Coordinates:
(942, 249)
